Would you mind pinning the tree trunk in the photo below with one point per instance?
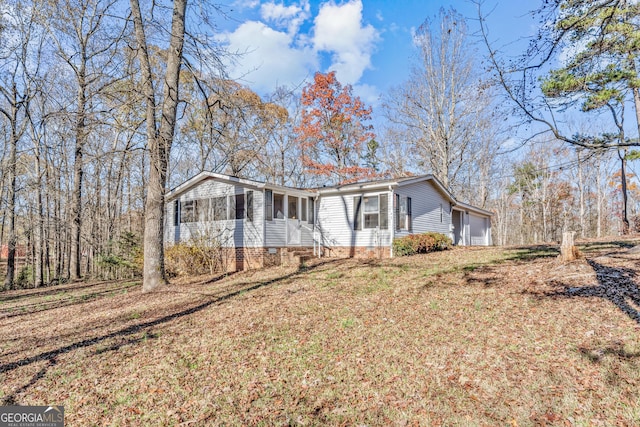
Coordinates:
(568, 251)
(158, 141)
(11, 215)
(76, 198)
(11, 195)
(623, 179)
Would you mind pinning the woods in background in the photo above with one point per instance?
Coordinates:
(85, 115)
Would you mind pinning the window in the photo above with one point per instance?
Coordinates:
(403, 213)
(311, 210)
(370, 211)
(186, 212)
(231, 212)
(219, 208)
(239, 201)
(249, 205)
(292, 207)
(201, 209)
(384, 211)
(278, 206)
(303, 209)
(268, 205)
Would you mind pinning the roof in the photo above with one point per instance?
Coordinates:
(385, 183)
(336, 189)
(203, 176)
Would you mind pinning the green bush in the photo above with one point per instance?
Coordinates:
(420, 244)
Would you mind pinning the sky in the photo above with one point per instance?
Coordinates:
(367, 42)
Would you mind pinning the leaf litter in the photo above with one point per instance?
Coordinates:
(471, 336)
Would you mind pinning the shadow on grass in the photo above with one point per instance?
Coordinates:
(595, 355)
(592, 247)
(529, 253)
(53, 290)
(126, 335)
(615, 284)
(65, 300)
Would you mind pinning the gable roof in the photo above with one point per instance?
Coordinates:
(385, 183)
(336, 189)
(245, 182)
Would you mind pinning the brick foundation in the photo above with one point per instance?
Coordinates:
(356, 252)
(239, 259)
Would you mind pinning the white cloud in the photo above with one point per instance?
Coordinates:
(289, 17)
(275, 49)
(369, 94)
(340, 32)
(268, 57)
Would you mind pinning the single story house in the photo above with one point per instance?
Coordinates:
(257, 223)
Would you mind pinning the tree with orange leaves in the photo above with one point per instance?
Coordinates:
(333, 135)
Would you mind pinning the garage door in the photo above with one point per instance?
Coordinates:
(478, 226)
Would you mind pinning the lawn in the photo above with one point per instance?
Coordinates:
(470, 336)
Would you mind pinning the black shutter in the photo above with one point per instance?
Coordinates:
(239, 206)
(397, 211)
(357, 204)
(268, 205)
(409, 219)
(176, 213)
(384, 211)
(250, 205)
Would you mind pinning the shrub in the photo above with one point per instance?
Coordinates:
(194, 258)
(420, 244)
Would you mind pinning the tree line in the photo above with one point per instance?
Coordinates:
(106, 104)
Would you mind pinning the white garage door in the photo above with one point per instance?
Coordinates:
(478, 225)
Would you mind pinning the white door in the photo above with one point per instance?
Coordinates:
(293, 221)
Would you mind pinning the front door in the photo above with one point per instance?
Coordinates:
(293, 221)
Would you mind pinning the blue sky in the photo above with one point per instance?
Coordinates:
(367, 42)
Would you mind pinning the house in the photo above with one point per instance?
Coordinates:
(256, 224)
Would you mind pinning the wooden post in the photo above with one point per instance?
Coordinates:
(568, 251)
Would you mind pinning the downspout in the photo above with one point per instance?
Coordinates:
(264, 218)
(392, 225)
(316, 208)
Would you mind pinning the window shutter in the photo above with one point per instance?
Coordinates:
(250, 205)
(397, 211)
(176, 213)
(239, 206)
(268, 205)
(384, 211)
(409, 217)
(357, 217)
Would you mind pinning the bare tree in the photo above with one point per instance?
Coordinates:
(87, 42)
(17, 88)
(160, 132)
(443, 109)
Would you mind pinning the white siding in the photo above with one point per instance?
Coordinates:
(426, 205)
(275, 232)
(335, 223)
(230, 233)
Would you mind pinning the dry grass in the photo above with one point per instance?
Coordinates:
(466, 337)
